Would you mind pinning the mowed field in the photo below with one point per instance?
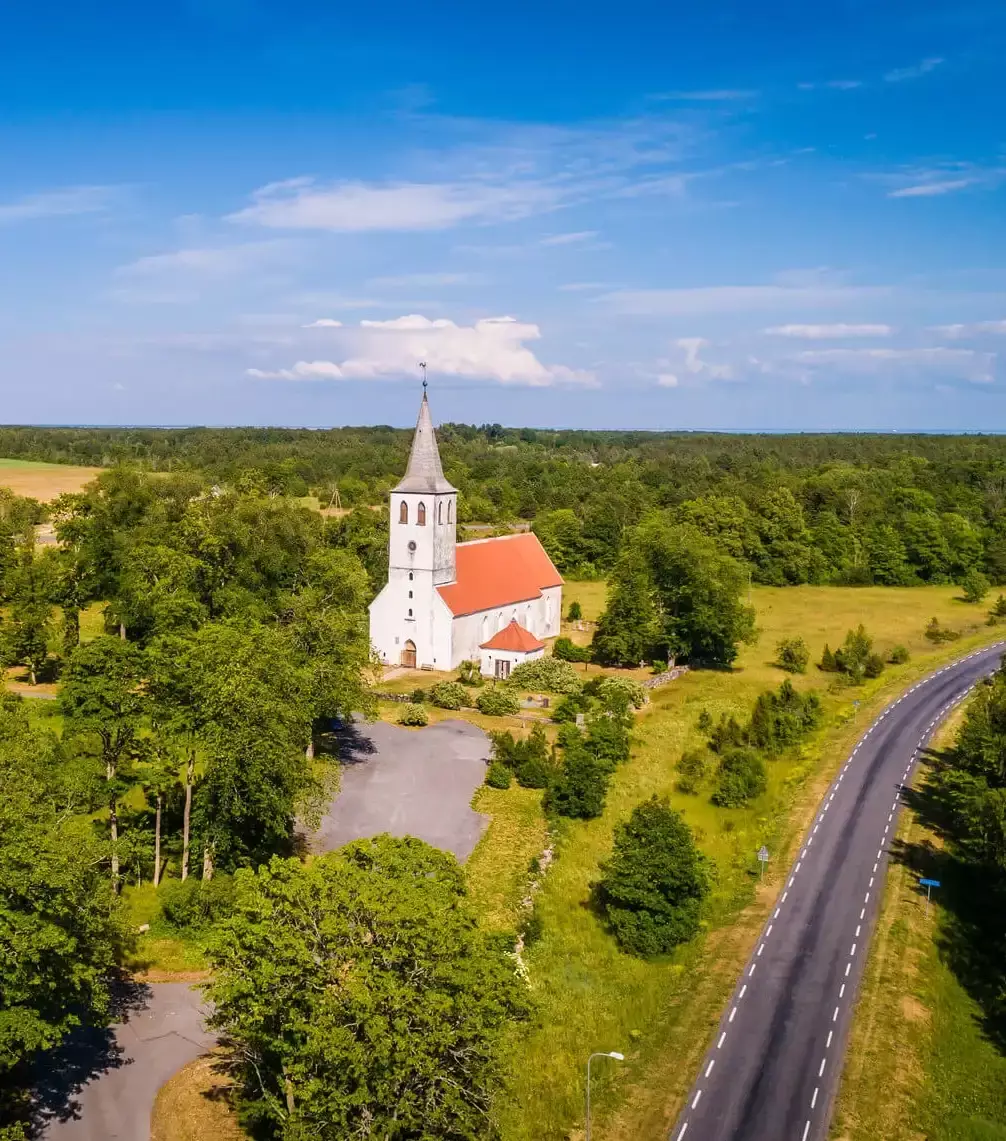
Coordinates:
(43, 481)
(660, 1014)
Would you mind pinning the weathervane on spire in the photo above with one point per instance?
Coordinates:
(422, 365)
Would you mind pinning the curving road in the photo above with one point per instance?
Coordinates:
(772, 1070)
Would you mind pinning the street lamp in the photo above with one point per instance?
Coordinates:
(618, 1058)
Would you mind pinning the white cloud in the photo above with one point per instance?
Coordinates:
(667, 380)
(568, 239)
(210, 261)
(59, 203)
(976, 328)
(491, 349)
(736, 299)
(916, 71)
(324, 323)
(932, 189)
(961, 364)
(301, 204)
(828, 332)
(698, 367)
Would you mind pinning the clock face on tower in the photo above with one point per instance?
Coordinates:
(412, 544)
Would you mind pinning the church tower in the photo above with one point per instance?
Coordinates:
(422, 542)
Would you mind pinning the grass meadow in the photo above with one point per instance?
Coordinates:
(43, 481)
(590, 996)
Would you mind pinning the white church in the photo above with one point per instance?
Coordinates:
(492, 601)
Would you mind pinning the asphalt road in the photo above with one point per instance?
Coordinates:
(773, 1067)
(101, 1085)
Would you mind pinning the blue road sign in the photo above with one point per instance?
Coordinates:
(930, 883)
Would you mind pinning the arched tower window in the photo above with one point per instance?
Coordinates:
(485, 627)
(421, 515)
(403, 512)
(440, 511)
(448, 510)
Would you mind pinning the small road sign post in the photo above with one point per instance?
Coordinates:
(763, 860)
(929, 885)
(855, 709)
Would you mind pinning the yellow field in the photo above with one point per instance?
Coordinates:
(660, 1014)
(43, 481)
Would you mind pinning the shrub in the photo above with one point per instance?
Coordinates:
(497, 702)
(575, 612)
(652, 888)
(419, 696)
(570, 706)
(531, 759)
(898, 656)
(740, 778)
(692, 769)
(705, 721)
(566, 650)
(580, 789)
(937, 633)
(631, 691)
(873, 666)
(449, 695)
(855, 650)
(470, 673)
(498, 775)
(975, 586)
(413, 715)
(657, 666)
(503, 746)
(998, 610)
(827, 663)
(548, 674)
(535, 772)
(781, 719)
(792, 654)
(192, 903)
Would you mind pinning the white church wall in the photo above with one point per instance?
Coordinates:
(466, 637)
(489, 658)
(551, 612)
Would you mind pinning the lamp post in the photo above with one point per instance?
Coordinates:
(618, 1058)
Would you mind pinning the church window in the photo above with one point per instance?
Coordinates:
(410, 611)
(448, 511)
(485, 627)
(421, 515)
(410, 594)
(440, 512)
(403, 512)
(410, 576)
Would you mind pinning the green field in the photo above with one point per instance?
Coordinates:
(593, 997)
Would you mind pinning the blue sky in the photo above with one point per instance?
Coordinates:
(642, 215)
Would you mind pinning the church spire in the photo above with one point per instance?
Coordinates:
(424, 472)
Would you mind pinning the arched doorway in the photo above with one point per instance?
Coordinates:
(409, 654)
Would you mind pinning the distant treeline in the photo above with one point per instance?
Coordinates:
(854, 508)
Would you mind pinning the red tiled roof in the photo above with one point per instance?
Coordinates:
(499, 572)
(513, 637)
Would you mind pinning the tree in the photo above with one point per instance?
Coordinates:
(699, 591)
(60, 926)
(30, 584)
(791, 654)
(975, 586)
(887, 558)
(852, 656)
(580, 788)
(362, 997)
(575, 612)
(741, 777)
(103, 700)
(629, 629)
(651, 889)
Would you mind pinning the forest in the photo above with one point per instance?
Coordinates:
(844, 508)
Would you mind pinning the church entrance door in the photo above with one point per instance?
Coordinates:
(502, 669)
(409, 655)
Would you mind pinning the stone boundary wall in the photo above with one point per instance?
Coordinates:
(665, 677)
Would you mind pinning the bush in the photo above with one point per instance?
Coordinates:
(413, 715)
(449, 695)
(575, 612)
(498, 775)
(975, 586)
(419, 696)
(192, 903)
(470, 673)
(937, 633)
(570, 706)
(580, 789)
(658, 667)
(531, 759)
(792, 654)
(566, 650)
(652, 888)
(629, 690)
(781, 719)
(497, 702)
(692, 770)
(827, 663)
(546, 674)
(898, 656)
(998, 610)
(873, 666)
(740, 778)
(857, 648)
(705, 721)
